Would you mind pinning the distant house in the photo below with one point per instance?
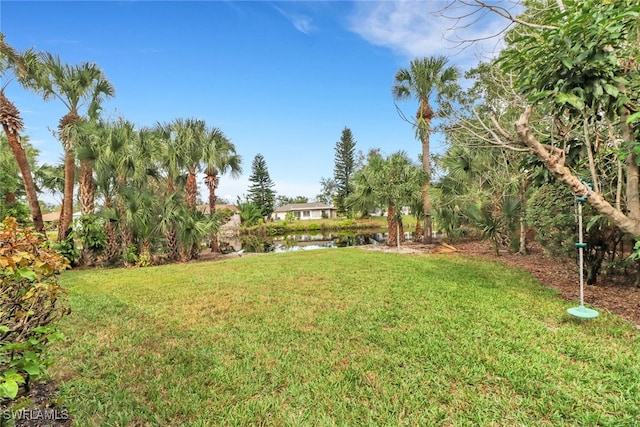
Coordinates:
(305, 211)
(234, 221)
(55, 216)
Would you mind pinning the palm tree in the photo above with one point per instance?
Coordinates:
(219, 157)
(123, 161)
(50, 177)
(426, 78)
(190, 135)
(23, 68)
(393, 182)
(74, 85)
(170, 162)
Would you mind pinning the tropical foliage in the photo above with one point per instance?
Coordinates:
(344, 169)
(77, 87)
(569, 82)
(30, 300)
(391, 183)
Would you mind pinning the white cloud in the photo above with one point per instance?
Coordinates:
(302, 23)
(415, 29)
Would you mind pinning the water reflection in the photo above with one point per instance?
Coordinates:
(296, 242)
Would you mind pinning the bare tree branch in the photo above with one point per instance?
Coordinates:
(506, 14)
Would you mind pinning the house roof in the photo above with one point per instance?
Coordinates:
(55, 216)
(304, 207)
(51, 216)
(205, 208)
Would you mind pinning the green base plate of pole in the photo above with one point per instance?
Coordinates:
(583, 312)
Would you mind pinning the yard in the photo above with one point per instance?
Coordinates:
(339, 337)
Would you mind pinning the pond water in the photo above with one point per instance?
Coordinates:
(310, 241)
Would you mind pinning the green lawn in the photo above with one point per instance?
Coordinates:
(339, 337)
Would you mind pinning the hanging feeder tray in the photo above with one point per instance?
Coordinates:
(583, 312)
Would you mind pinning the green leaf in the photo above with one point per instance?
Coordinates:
(567, 63)
(4, 329)
(13, 375)
(32, 368)
(573, 100)
(25, 273)
(611, 90)
(9, 389)
(597, 90)
(634, 117)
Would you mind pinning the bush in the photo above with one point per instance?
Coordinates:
(15, 209)
(66, 248)
(29, 302)
(552, 213)
(89, 229)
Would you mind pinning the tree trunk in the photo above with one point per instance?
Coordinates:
(172, 244)
(65, 127)
(211, 181)
(633, 173)
(12, 125)
(418, 233)
(111, 251)
(554, 162)
(113, 245)
(191, 189)
(395, 229)
(427, 236)
(66, 214)
(633, 189)
(87, 188)
(523, 225)
(427, 233)
(27, 178)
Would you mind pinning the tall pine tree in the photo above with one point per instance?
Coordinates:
(344, 169)
(261, 190)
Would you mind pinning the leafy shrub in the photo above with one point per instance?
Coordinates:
(255, 243)
(89, 229)
(15, 209)
(131, 254)
(276, 228)
(552, 212)
(29, 302)
(67, 249)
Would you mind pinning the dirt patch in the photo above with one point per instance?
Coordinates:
(41, 411)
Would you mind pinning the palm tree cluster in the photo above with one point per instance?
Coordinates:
(144, 179)
(390, 183)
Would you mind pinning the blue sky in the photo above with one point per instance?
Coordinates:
(278, 78)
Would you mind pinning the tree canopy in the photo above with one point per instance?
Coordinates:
(261, 191)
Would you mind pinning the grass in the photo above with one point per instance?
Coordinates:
(339, 337)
